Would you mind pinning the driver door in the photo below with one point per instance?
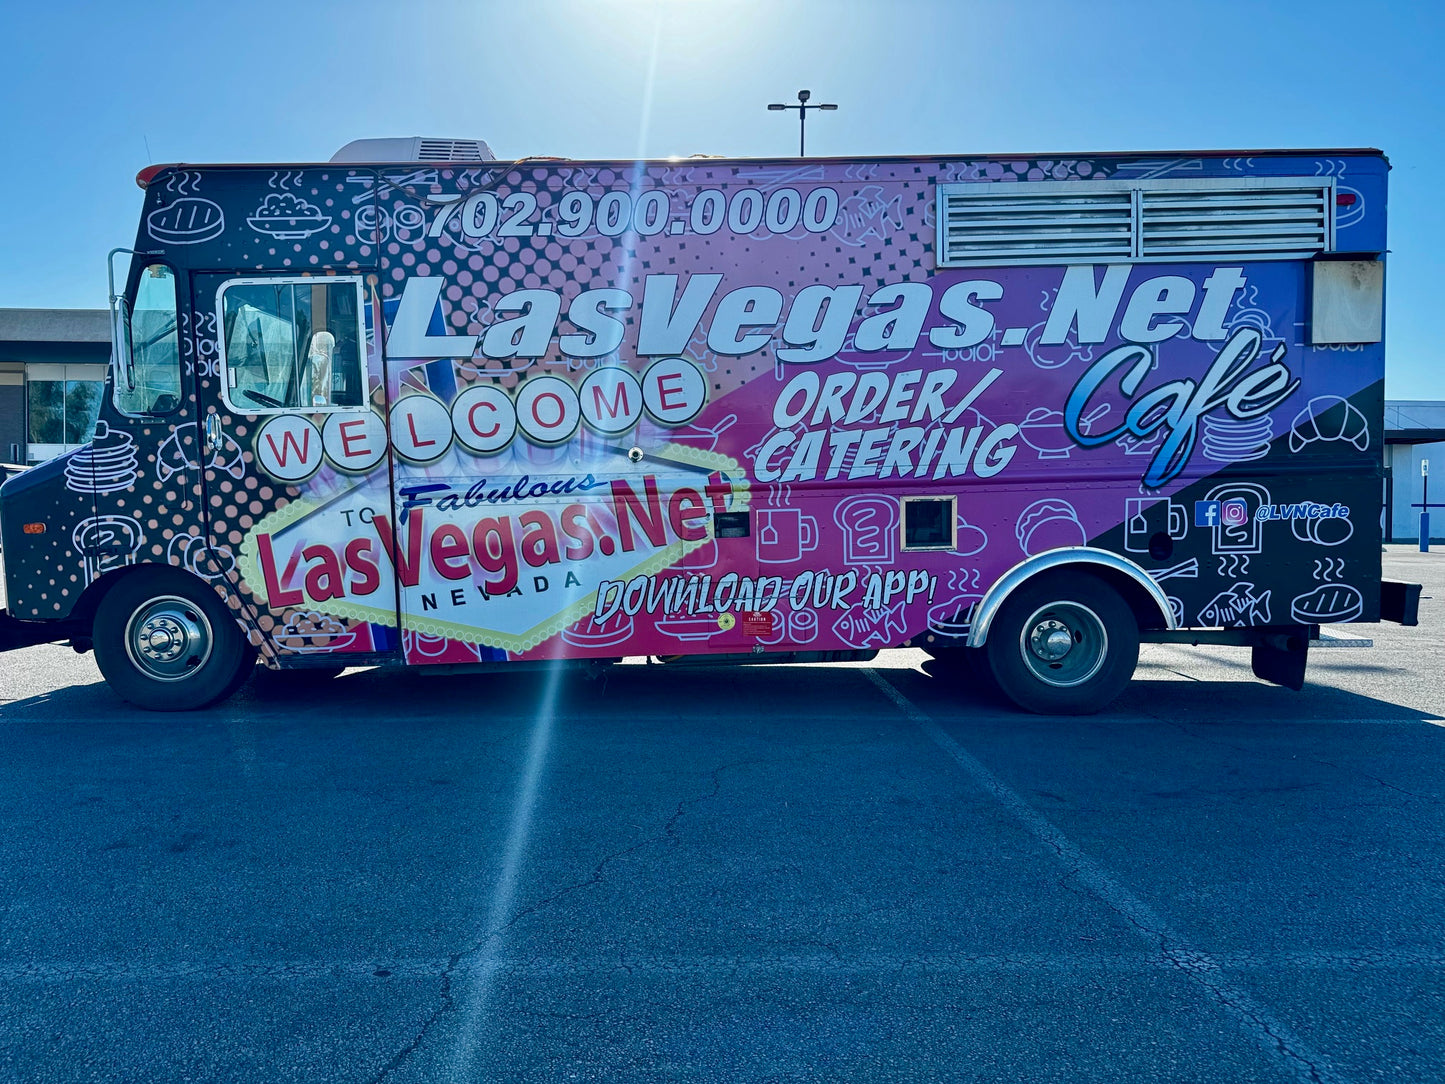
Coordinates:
(296, 479)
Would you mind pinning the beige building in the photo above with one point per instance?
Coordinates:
(52, 373)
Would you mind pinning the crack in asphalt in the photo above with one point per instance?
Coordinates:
(448, 1003)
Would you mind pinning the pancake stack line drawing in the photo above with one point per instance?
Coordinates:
(1227, 441)
(107, 465)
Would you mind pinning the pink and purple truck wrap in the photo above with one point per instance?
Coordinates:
(734, 407)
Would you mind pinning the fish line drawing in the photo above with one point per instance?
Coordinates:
(870, 627)
(1235, 606)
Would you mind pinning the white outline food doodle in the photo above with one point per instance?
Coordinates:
(1242, 538)
(1329, 602)
(108, 464)
(954, 617)
(119, 536)
(1234, 606)
(1042, 420)
(588, 633)
(964, 529)
(1136, 539)
(1354, 427)
(860, 626)
(777, 545)
(1308, 530)
(1228, 441)
(1043, 513)
(171, 457)
(865, 214)
(803, 626)
(189, 551)
(865, 540)
(285, 216)
(688, 628)
(306, 625)
(190, 220)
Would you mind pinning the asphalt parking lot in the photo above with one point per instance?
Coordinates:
(790, 873)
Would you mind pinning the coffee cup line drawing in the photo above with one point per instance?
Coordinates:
(1145, 517)
(784, 535)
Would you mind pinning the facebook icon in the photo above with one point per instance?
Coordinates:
(1206, 513)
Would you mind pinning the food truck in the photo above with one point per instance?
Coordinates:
(416, 406)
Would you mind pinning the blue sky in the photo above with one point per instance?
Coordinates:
(92, 93)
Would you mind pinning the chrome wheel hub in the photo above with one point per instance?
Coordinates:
(1064, 644)
(168, 638)
(1050, 640)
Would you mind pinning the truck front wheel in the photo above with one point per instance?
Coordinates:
(1065, 643)
(166, 642)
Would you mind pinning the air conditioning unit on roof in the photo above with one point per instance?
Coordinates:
(415, 149)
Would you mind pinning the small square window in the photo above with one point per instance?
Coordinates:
(928, 523)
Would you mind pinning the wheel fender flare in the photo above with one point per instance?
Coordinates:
(1015, 577)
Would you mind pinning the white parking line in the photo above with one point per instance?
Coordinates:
(1203, 968)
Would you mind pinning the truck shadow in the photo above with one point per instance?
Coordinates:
(761, 694)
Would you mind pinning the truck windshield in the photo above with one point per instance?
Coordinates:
(152, 384)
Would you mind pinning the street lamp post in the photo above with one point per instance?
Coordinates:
(802, 107)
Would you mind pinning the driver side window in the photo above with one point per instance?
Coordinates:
(149, 383)
(293, 344)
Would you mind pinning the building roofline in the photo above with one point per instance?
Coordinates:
(54, 326)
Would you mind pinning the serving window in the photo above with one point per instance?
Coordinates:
(929, 523)
(293, 344)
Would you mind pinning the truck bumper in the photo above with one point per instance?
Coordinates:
(1400, 601)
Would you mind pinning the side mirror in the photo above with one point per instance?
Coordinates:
(120, 342)
(119, 324)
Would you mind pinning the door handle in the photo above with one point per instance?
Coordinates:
(212, 443)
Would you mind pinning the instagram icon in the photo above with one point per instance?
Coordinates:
(1233, 513)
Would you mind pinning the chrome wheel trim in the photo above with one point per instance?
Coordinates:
(168, 638)
(1064, 644)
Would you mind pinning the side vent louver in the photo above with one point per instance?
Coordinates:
(452, 150)
(1059, 222)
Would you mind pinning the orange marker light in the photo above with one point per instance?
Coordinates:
(34, 528)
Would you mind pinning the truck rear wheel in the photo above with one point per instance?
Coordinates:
(1064, 643)
(166, 642)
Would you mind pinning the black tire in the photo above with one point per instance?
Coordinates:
(166, 642)
(1091, 667)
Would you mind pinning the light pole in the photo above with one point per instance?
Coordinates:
(802, 107)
